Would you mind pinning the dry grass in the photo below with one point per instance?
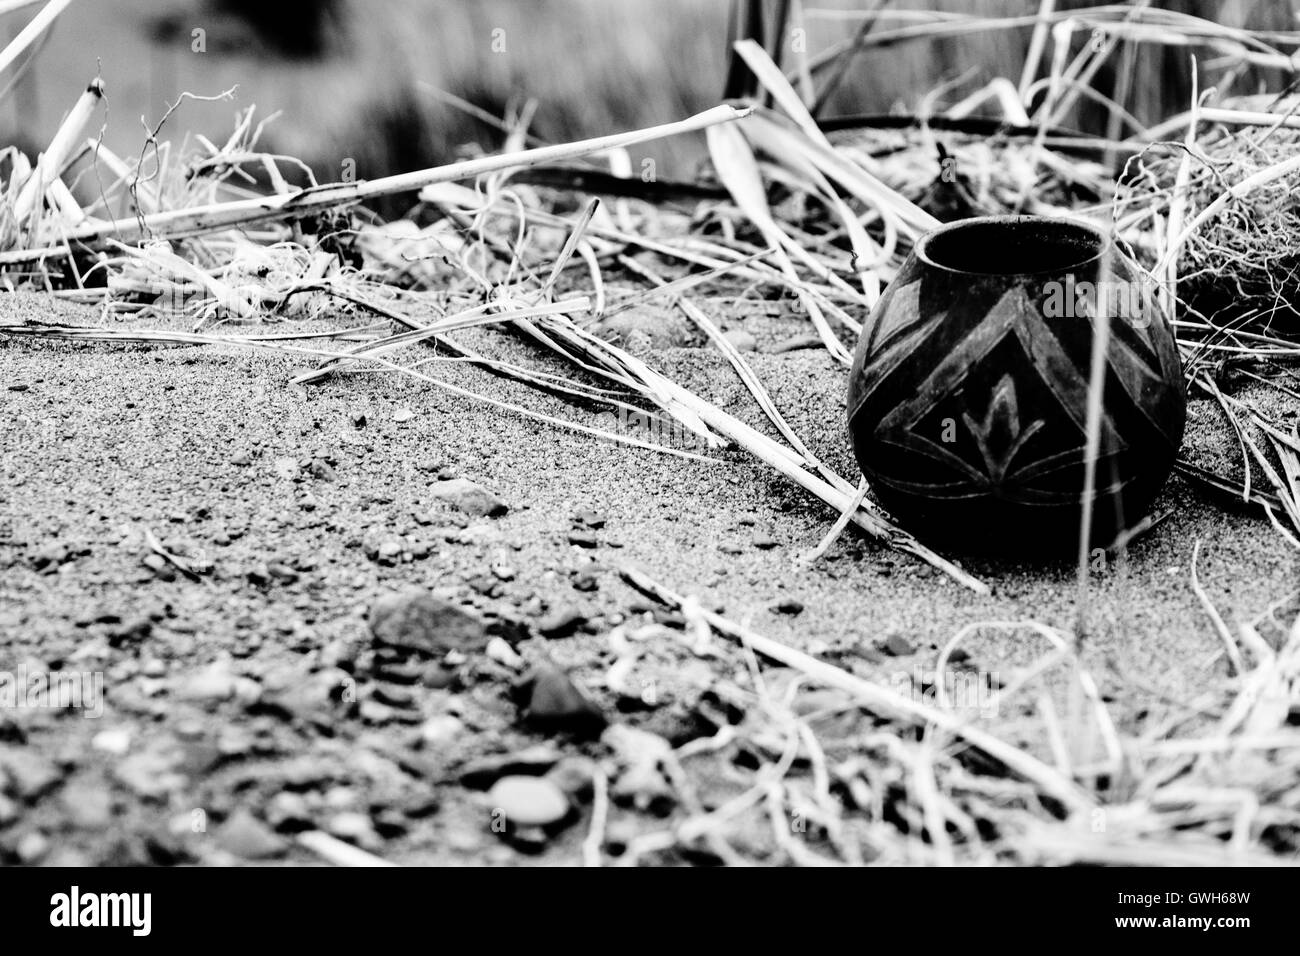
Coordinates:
(843, 770)
(847, 770)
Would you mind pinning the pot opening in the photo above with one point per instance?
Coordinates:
(1012, 246)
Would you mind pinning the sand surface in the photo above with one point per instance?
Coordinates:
(203, 446)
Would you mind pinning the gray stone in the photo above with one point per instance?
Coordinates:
(555, 704)
(469, 497)
(149, 774)
(288, 811)
(32, 848)
(212, 683)
(896, 645)
(87, 804)
(440, 730)
(561, 622)
(741, 340)
(354, 827)
(247, 837)
(26, 775)
(414, 620)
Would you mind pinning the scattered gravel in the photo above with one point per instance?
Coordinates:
(346, 653)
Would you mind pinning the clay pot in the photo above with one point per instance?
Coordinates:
(968, 395)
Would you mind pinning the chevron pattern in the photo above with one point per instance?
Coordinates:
(964, 394)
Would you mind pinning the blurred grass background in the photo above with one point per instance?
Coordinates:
(346, 75)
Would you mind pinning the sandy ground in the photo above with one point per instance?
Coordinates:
(203, 447)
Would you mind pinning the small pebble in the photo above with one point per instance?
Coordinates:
(29, 774)
(561, 622)
(245, 836)
(554, 703)
(281, 572)
(159, 566)
(528, 801)
(470, 497)
(32, 848)
(321, 469)
(896, 645)
(499, 650)
(115, 740)
(440, 730)
(353, 827)
(288, 811)
(212, 683)
(591, 519)
(741, 340)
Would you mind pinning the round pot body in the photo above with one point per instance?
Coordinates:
(968, 397)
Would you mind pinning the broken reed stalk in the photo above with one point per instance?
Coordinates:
(9, 6)
(1092, 448)
(1220, 625)
(51, 161)
(832, 489)
(802, 466)
(35, 27)
(1174, 807)
(880, 699)
(738, 170)
(159, 336)
(1151, 25)
(177, 223)
(1037, 42)
(703, 418)
(1178, 201)
(839, 495)
(333, 850)
(1221, 116)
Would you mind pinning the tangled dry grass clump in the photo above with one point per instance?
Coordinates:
(868, 774)
(1241, 265)
(211, 235)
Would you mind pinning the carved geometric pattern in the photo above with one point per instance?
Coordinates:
(960, 395)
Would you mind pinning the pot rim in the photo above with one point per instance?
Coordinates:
(1104, 242)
